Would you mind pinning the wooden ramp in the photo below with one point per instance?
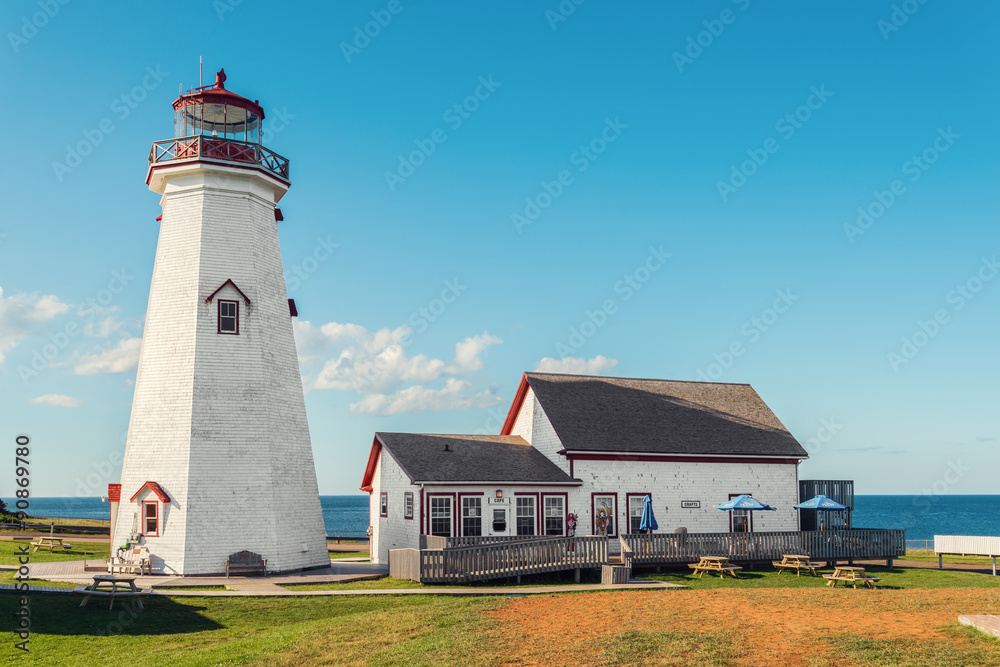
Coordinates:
(496, 559)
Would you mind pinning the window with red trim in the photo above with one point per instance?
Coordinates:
(229, 317)
(408, 505)
(150, 518)
(383, 504)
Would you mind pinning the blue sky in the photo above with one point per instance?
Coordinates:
(679, 186)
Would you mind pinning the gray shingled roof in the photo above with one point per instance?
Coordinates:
(472, 458)
(661, 416)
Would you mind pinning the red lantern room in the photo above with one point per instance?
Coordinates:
(217, 125)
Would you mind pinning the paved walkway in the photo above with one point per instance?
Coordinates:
(272, 590)
(988, 624)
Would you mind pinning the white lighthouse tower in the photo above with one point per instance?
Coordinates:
(218, 458)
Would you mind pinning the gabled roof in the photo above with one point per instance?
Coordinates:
(228, 282)
(155, 488)
(468, 458)
(606, 414)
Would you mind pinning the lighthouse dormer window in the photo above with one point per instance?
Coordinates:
(229, 317)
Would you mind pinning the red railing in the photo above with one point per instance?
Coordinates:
(227, 150)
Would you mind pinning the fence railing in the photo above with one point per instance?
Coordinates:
(926, 545)
(495, 539)
(461, 564)
(227, 150)
(828, 544)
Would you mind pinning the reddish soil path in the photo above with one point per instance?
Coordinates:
(773, 626)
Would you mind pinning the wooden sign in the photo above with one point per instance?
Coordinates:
(691, 504)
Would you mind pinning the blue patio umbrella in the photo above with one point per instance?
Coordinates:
(743, 502)
(823, 503)
(648, 521)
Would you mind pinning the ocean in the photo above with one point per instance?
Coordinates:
(341, 514)
(921, 516)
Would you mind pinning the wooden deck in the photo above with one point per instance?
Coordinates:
(831, 545)
(462, 560)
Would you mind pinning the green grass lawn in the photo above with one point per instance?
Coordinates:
(891, 578)
(349, 554)
(9, 552)
(257, 631)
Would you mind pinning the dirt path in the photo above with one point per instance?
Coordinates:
(771, 626)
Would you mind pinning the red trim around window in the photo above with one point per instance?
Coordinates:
(383, 504)
(229, 281)
(749, 512)
(408, 495)
(593, 512)
(458, 502)
(454, 512)
(565, 497)
(156, 511)
(537, 510)
(628, 518)
(219, 307)
(155, 488)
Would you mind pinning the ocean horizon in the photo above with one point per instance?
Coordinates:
(921, 516)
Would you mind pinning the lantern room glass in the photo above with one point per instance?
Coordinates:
(223, 121)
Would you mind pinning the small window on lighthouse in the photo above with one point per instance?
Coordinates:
(229, 317)
(149, 518)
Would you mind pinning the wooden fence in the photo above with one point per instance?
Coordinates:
(855, 544)
(510, 558)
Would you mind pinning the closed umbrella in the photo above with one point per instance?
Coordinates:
(648, 521)
(822, 503)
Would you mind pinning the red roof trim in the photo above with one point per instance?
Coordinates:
(515, 407)
(366, 481)
(228, 282)
(155, 488)
(114, 493)
(679, 459)
(159, 218)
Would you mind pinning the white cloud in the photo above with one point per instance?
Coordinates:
(455, 395)
(467, 354)
(22, 314)
(121, 358)
(377, 365)
(58, 400)
(576, 365)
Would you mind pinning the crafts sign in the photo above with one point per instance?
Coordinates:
(691, 504)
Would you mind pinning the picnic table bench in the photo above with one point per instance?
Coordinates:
(51, 543)
(850, 575)
(718, 564)
(108, 585)
(246, 561)
(796, 562)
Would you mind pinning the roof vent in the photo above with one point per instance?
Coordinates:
(446, 447)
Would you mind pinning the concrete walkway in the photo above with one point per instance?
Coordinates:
(272, 590)
(986, 624)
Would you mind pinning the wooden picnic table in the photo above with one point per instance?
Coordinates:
(850, 575)
(50, 542)
(797, 562)
(111, 586)
(718, 564)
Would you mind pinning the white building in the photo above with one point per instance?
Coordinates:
(218, 458)
(593, 448)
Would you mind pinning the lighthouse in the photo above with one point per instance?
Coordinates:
(218, 458)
